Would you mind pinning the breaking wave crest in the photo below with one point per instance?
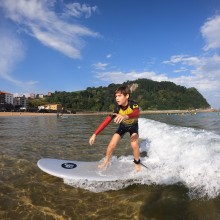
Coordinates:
(175, 155)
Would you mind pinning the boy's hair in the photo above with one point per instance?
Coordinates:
(124, 90)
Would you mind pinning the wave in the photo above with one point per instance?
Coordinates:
(175, 155)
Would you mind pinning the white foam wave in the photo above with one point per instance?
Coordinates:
(175, 155)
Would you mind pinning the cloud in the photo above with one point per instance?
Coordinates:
(182, 69)
(211, 33)
(204, 70)
(204, 74)
(100, 66)
(201, 72)
(108, 56)
(120, 77)
(12, 52)
(78, 10)
(184, 59)
(39, 20)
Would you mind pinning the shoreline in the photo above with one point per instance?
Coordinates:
(32, 114)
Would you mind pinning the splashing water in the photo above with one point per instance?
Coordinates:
(174, 155)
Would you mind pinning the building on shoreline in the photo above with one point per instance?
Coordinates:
(6, 98)
(51, 107)
(21, 102)
(6, 101)
(9, 103)
(14, 102)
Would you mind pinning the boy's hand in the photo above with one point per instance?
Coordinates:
(119, 118)
(92, 139)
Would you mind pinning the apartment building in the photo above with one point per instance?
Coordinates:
(21, 101)
(6, 98)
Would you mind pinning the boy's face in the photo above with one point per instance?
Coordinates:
(121, 99)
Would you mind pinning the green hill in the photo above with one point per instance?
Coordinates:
(150, 95)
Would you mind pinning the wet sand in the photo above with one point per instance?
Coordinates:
(7, 114)
(25, 114)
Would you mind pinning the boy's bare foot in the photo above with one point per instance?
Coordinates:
(137, 167)
(103, 165)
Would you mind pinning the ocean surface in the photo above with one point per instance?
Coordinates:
(181, 179)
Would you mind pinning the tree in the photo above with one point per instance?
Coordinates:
(149, 94)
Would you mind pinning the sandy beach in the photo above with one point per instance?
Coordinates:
(29, 114)
(6, 114)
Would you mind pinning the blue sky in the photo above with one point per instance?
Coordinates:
(65, 45)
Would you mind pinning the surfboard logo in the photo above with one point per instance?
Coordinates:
(69, 165)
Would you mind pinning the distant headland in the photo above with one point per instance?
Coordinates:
(152, 96)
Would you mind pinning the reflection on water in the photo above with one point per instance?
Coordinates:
(28, 193)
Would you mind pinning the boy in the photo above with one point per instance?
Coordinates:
(125, 114)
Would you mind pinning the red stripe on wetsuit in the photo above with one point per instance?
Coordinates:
(104, 124)
(134, 114)
(109, 118)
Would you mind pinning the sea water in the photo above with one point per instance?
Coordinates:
(181, 179)
(175, 155)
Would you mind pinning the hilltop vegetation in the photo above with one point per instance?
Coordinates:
(150, 95)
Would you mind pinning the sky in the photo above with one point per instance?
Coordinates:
(66, 45)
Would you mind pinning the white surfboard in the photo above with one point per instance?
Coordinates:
(78, 170)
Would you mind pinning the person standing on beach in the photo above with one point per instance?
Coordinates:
(126, 114)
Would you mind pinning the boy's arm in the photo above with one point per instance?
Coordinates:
(100, 128)
(134, 114)
(119, 118)
(104, 124)
(136, 110)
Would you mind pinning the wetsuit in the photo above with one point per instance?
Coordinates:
(129, 125)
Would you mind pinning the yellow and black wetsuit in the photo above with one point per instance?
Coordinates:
(129, 125)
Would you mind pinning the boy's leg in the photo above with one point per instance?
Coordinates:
(113, 143)
(136, 150)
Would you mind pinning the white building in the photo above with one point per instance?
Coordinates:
(22, 101)
(40, 96)
(6, 98)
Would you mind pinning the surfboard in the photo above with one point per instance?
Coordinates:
(79, 170)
